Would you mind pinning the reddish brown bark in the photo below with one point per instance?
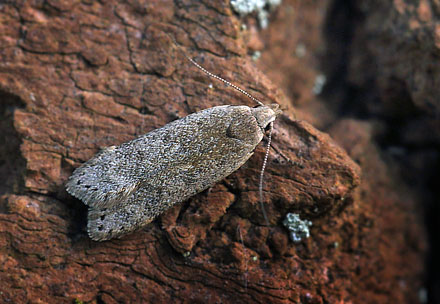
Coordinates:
(76, 76)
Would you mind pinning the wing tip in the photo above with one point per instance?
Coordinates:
(95, 226)
(72, 188)
(105, 224)
(76, 191)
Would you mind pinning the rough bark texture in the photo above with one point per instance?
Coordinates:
(77, 76)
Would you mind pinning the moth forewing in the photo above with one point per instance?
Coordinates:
(127, 186)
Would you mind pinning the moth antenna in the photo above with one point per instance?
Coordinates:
(224, 81)
(260, 186)
(217, 77)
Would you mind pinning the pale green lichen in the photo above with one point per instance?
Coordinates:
(256, 55)
(299, 229)
(261, 7)
(320, 81)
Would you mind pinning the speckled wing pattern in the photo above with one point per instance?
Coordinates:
(127, 186)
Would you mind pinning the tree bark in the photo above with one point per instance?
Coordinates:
(78, 76)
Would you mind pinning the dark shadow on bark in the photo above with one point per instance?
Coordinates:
(12, 164)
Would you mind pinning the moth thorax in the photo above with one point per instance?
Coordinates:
(266, 114)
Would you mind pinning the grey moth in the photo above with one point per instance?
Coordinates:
(127, 186)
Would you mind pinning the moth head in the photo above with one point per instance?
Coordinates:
(266, 114)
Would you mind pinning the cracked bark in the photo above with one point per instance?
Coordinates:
(79, 76)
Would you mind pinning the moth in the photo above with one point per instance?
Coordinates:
(127, 186)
